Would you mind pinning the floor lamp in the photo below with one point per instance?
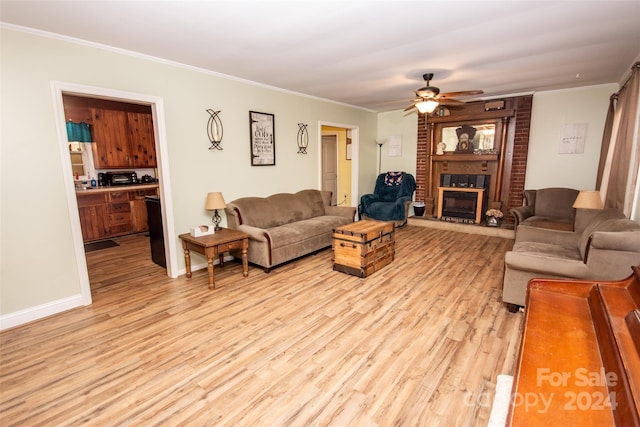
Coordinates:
(380, 144)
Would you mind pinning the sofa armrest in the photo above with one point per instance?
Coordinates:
(526, 233)
(366, 200)
(628, 241)
(255, 233)
(521, 213)
(545, 266)
(609, 255)
(345, 211)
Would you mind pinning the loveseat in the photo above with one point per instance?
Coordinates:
(285, 226)
(604, 246)
(547, 208)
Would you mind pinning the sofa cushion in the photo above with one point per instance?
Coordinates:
(279, 209)
(298, 232)
(555, 202)
(547, 250)
(312, 199)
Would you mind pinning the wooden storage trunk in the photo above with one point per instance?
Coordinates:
(364, 247)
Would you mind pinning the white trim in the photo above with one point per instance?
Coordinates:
(157, 106)
(72, 203)
(40, 311)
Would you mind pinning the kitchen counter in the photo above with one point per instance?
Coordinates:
(107, 212)
(132, 187)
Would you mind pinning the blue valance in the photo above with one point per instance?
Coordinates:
(78, 132)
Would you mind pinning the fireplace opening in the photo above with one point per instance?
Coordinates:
(459, 205)
(461, 198)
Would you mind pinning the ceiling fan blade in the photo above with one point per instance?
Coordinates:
(461, 93)
(448, 101)
(410, 107)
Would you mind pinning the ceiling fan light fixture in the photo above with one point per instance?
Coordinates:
(427, 106)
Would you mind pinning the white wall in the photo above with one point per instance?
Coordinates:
(38, 264)
(550, 111)
(404, 125)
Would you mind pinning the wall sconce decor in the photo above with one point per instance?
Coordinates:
(303, 138)
(214, 129)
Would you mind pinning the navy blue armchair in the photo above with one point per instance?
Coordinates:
(391, 198)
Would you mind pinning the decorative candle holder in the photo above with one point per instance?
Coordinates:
(214, 129)
(303, 138)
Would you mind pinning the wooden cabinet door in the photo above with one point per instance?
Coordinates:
(93, 221)
(111, 143)
(142, 140)
(139, 209)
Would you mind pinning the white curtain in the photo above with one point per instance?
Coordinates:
(618, 177)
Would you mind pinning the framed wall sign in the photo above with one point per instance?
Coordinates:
(263, 141)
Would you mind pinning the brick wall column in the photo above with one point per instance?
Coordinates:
(520, 152)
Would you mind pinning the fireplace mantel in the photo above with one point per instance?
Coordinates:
(510, 122)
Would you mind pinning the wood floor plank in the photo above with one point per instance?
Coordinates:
(417, 343)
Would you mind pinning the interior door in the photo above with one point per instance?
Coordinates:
(330, 165)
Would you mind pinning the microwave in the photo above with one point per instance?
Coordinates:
(120, 178)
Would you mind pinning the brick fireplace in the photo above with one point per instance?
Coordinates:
(503, 163)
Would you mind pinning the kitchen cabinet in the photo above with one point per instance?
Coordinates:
(119, 213)
(106, 212)
(139, 209)
(141, 139)
(122, 139)
(92, 209)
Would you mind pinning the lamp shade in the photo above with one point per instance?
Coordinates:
(588, 200)
(427, 106)
(215, 201)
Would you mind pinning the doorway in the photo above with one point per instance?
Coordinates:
(330, 165)
(157, 108)
(338, 158)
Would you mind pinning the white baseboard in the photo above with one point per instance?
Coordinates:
(40, 311)
(54, 307)
(500, 408)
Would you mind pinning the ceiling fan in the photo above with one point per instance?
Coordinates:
(429, 97)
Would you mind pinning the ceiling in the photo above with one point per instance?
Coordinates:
(370, 54)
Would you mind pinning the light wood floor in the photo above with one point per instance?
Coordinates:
(419, 343)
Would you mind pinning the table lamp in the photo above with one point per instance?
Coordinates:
(214, 202)
(588, 200)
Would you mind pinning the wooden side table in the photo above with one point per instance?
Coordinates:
(216, 244)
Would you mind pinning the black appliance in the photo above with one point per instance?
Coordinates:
(102, 180)
(156, 235)
(120, 178)
(146, 179)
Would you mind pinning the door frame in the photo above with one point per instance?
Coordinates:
(157, 109)
(355, 157)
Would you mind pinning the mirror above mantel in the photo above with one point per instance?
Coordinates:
(477, 139)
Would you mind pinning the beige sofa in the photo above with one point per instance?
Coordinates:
(604, 246)
(286, 226)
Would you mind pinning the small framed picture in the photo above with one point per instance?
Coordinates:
(348, 148)
(262, 137)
